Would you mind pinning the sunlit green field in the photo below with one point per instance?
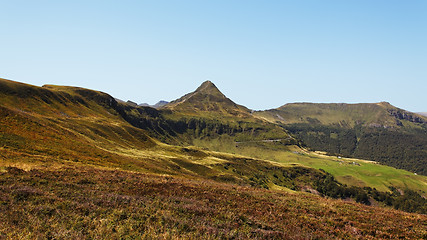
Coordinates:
(354, 172)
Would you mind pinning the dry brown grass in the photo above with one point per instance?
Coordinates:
(88, 203)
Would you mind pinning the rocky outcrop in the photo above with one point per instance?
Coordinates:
(133, 104)
(404, 115)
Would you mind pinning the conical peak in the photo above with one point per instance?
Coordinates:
(207, 98)
(208, 88)
(206, 85)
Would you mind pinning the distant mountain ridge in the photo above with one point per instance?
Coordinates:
(375, 131)
(381, 114)
(159, 104)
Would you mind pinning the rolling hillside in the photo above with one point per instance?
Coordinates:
(56, 125)
(96, 166)
(62, 126)
(66, 125)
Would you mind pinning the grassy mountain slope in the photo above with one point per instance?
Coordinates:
(78, 145)
(87, 127)
(55, 126)
(379, 132)
(67, 125)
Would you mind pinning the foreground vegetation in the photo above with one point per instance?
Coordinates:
(86, 203)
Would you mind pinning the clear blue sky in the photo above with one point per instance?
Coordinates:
(261, 54)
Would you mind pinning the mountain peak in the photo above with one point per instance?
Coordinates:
(207, 83)
(207, 98)
(209, 87)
